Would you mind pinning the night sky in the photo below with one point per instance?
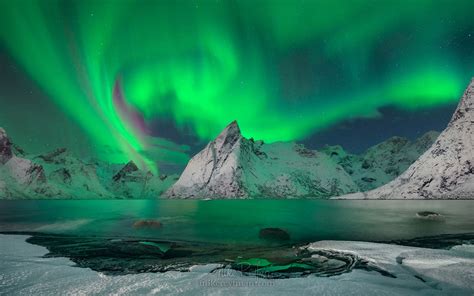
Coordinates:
(153, 81)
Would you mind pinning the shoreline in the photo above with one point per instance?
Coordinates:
(25, 269)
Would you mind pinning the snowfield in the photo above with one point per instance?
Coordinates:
(418, 271)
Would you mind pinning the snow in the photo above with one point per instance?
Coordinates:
(446, 169)
(23, 271)
(445, 270)
(383, 162)
(232, 166)
(58, 174)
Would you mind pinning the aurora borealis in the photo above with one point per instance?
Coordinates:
(283, 69)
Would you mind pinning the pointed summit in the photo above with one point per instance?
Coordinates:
(228, 137)
(232, 166)
(233, 126)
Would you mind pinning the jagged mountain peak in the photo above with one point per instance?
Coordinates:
(229, 136)
(232, 166)
(231, 129)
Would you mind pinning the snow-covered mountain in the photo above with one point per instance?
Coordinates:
(446, 169)
(131, 182)
(383, 162)
(59, 174)
(232, 166)
(18, 176)
(70, 176)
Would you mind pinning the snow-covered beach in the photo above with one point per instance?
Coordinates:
(417, 271)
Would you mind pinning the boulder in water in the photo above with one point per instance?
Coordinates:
(427, 215)
(147, 224)
(274, 234)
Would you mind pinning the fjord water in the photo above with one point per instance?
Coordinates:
(239, 221)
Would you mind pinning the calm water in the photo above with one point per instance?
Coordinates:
(238, 221)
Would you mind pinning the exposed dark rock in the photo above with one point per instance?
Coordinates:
(369, 180)
(303, 151)
(429, 215)
(54, 157)
(147, 224)
(62, 175)
(17, 150)
(366, 164)
(444, 241)
(36, 174)
(127, 256)
(274, 234)
(127, 169)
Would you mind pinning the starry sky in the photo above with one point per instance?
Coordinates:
(153, 81)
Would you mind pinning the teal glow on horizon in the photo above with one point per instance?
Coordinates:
(115, 66)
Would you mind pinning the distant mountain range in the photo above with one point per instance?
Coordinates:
(232, 166)
(446, 169)
(439, 166)
(58, 174)
(383, 162)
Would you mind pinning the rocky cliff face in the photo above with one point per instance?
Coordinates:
(446, 169)
(232, 166)
(383, 162)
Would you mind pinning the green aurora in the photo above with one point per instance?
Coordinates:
(283, 69)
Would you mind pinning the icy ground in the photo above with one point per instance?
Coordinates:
(418, 271)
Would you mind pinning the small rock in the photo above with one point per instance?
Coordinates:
(429, 215)
(274, 234)
(147, 224)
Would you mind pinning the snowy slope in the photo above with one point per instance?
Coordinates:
(446, 170)
(71, 177)
(232, 166)
(383, 162)
(18, 176)
(131, 182)
(59, 174)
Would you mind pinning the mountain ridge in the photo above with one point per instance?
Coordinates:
(445, 170)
